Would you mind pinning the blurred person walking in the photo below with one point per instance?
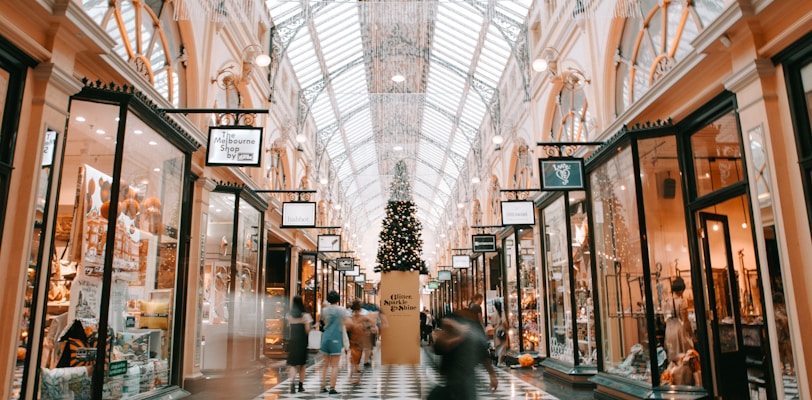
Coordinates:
(332, 341)
(359, 327)
(462, 343)
(500, 329)
(299, 325)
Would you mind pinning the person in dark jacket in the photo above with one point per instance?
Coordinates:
(462, 343)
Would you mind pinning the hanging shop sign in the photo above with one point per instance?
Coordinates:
(329, 243)
(434, 285)
(460, 262)
(361, 278)
(298, 214)
(345, 264)
(518, 213)
(238, 146)
(443, 275)
(483, 243)
(356, 270)
(559, 174)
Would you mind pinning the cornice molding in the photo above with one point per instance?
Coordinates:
(759, 68)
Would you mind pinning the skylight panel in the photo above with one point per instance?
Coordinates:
(363, 153)
(444, 87)
(516, 10)
(322, 111)
(436, 126)
(473, 110)
(282, 10)
(460, 145)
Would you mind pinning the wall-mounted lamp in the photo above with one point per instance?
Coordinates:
(300, 138)
(253, 54)
(497, 141)
(547, 61)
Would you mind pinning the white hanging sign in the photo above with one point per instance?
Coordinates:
(234, 146)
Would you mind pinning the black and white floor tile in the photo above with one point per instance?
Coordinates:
(400, 382)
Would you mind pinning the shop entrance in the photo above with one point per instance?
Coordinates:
(733, 300)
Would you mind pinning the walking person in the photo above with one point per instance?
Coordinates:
(500, 329)
(299, 325)
(358, 327)
(332, 340)
(462, 343)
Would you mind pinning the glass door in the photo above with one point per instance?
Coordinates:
(724, 303)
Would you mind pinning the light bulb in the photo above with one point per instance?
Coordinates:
(497, 139)
(540, 65)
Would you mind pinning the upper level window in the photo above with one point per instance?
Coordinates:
(571, 121)
(655, 41)
(144, 38)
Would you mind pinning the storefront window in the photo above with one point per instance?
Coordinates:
(558, 279)
(620, 282)
(674, 309)
(116, 252)
(35, 263)
(717, 155)
(529, 281)
(569, 280)
(231, 307)
(512, 298)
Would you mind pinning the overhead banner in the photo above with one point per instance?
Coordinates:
(518, 213)
(344, 264)
(238, 146)
(329, 243)
(298, 214)
(483, 243)
(460, 262)
(560, 174)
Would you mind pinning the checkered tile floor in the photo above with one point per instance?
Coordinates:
(401, 382)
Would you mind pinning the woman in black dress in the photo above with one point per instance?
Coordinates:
(299, 323)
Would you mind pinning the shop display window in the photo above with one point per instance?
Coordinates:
(114, 274)
(567, 266)
(620, 278)
(558, 281)
(231, 323)
(672, 286)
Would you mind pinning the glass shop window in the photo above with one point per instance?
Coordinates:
(141, 213)
(671, 283)
(717, 155)
(620, 282)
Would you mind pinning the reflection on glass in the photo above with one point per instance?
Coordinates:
(133, 219)
(512, 309)
(717, 155)
(618, 254)
(558, 279)
(530, 291)
(35, 263)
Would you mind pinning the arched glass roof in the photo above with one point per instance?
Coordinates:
(450, 55)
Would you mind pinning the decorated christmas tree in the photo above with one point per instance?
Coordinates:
(400, 244)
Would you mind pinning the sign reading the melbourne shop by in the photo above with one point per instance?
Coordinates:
(562, 173)
(234, 146)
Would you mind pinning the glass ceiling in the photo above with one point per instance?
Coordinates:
(450, 56)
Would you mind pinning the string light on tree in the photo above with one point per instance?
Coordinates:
(400, 242)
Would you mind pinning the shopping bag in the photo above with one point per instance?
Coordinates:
(314, 339)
